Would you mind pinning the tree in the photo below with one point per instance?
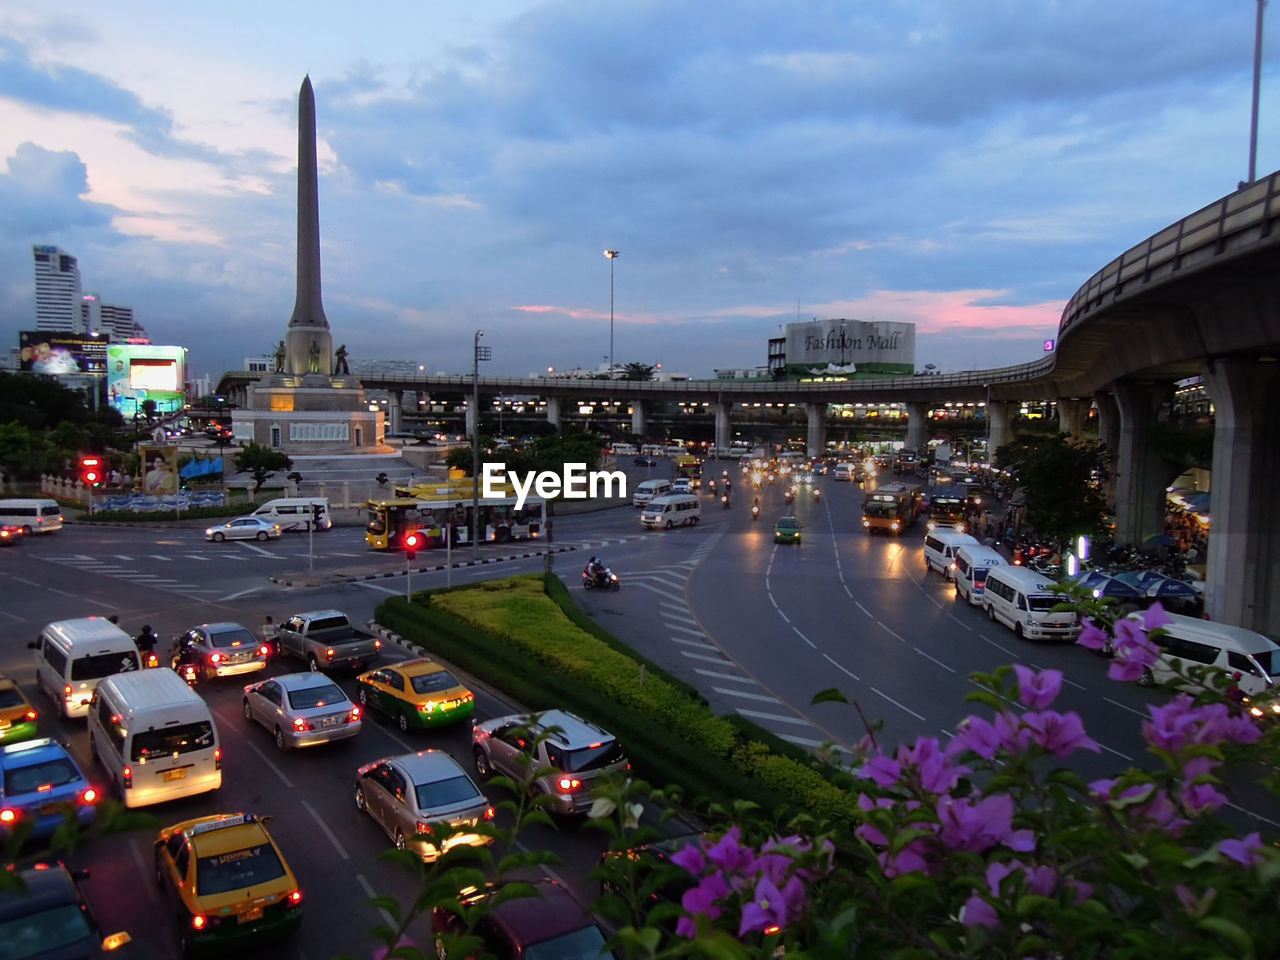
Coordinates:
(149, 409)
(1062, 482)
(637, 371)
(260, 463)
(15, 449)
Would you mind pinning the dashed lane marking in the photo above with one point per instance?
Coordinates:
(935, 660)
(699, 656)
(693, 643)
(841, 667)
(324, 828)
(762, 697)
(800, 741)
(675, 626)
(900, 706)
(724, 676)
(758, 715)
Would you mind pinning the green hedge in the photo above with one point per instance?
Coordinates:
(603, 680)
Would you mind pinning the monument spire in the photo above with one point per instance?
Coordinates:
(308, 309)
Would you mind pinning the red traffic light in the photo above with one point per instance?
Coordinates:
(412, 541)
(91, 470)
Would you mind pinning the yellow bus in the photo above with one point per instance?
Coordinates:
(691, 467)
(447, 510)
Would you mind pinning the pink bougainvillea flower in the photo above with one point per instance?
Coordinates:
(1155, 616)
(1037, 690)
(1170, 725)
(767, 908)
(1134, 652)
(1199, 795)
(1092, 636)
(976, 734)
(885, 771)
(937, 773)
(1062, 734)
(977, 912)
(1196, 907)
(702, 899)
(1247, 852)
(975, 827)
(729, 854)
(690, 857)
(1013, 735)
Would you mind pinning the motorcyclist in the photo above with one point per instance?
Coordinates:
(185, 655)
(595, 570)
(146, 644)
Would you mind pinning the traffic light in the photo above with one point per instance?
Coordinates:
(91, 471)
(412, 542)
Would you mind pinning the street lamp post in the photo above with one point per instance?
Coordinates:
(1257, 82)
(478, 353)
(612, 255)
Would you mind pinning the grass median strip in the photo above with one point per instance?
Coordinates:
(515, 634)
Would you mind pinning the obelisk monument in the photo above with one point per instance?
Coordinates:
(308, 342)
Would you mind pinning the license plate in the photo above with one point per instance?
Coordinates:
(180, 773)
(329, 722)
(250, 915)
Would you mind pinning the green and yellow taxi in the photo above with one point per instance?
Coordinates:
(787, 530)
(17, 717)
(416, 694)
(227, 881)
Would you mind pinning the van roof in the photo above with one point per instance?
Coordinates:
(87, 630)
(950, 536)
(1241, 638)
(1022, 578)
(981, 553)
(28, 502)
(295, 500)
(145, 690)
(672, 498)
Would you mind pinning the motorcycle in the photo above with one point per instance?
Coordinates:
(788, 495)
(817, 494)
(755, 511)
(150, 659)
(608, 580)
(724, 501)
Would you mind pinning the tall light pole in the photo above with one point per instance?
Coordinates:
(1257, 80)
(613, 255)
(478, 353)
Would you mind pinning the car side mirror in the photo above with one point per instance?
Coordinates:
(33, 645)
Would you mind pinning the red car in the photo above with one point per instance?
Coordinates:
(10, 536)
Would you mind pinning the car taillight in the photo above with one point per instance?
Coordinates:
(569, 783)
(215, 658)
(8, 815)
(377, 644)
(199, 921)
(354, 715)
(31, 715)
(489, 813)
(424, 828)
(329, 653)
(217, 758)
(295, 897)
(428, 707)
(126, 778)
(89, 796)
(67, 691)
(300, 724)
(264, 650)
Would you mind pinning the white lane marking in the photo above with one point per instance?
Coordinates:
(1122, 756)
(846, 587)
(62, 592)
(783, 615)
(274, 769)
(324, 828)
(692, 643)
(961, 622)
(890, 631)
(842, 667)
(121, 556)
(197, 556)
(935, 660)
(256, 549)
(863, 609)
(698, 656)
(371, 894)
(237, 596)
(677, 608)
(696, 632)
(368, 585)
(723, 676)
(143, 867)
(1122, 706)
(756, 714)
(520, 845)
(11, 616)
(898, 705)
(1250, 813)
(932, 600)
(998, 646)
(155, 556)
(402, 743)
(29, 583)
(800, 741)
(764, 698)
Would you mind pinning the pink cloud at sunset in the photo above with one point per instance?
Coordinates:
(944, 311)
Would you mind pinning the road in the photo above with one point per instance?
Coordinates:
(757, 627)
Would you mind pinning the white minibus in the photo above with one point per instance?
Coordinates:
(33, 516)
(972, 564)
(71, 656)
(1020, 599)
(1190, 641)
(649, 489)
(673, 509)
(940, 548)
(155, 737)
(295, 513)
(624, 449)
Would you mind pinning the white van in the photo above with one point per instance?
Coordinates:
(676, 450)
(155, 737)
(940, 548)
(972, 564)
(624, 449)
(671, 510)
(33, 516)
(1190, 642)
(652, 450)
(648, 489)
(73, 655)
(295, 513)
(1020, 599)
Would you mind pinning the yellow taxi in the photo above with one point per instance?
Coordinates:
(17, 717)
(416, 694)
(227, 881)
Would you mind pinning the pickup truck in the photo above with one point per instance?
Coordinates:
(326, 639)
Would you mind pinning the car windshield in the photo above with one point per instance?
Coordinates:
(1043, 604)
(40, 934)
(99, 665)
(443, 793)
(10, 697)
(433, 682)
(979, 575)
(51, 773)
(1266, 661)
(592, 758)
(310, 697)
(238, 869)
(584, 944)
(239, 637)
(148, 744)
(788, 523)
(883, 509)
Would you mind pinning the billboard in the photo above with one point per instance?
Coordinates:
(159, 468)
(865, 346)
(139, 372)
(47, 351)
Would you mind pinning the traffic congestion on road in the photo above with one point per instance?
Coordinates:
(756, 615)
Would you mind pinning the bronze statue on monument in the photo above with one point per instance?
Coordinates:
(280, 352)
(340, 360)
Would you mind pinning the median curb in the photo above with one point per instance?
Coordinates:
(308, 579)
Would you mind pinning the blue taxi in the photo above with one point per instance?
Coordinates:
(38, 779)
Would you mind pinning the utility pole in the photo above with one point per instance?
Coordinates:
(478, 353)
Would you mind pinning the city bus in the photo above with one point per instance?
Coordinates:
(691, 467)
(432, 511)
(948, 510)
(893, 507)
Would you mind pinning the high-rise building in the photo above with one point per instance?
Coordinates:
(59, 303)
(119, 325)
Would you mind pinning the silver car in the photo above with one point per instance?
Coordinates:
(302, 709)
(414, 795)
(220, 650)
(243, 528)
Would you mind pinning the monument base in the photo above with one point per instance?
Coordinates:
(311, 413)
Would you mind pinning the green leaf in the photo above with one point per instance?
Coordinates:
(830, 695)
(1227, 930)
(1030, 904)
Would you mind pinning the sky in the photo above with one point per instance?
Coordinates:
(963, 165)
